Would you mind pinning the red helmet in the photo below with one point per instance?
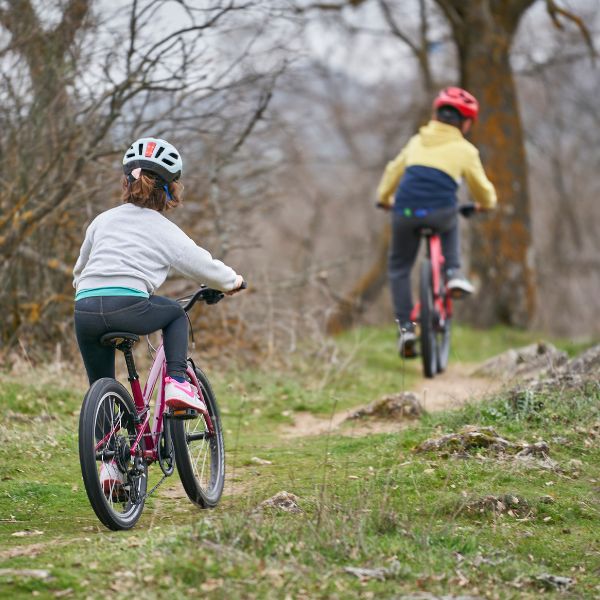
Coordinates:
(465, 103)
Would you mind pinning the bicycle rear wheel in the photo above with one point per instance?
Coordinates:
(200, 455)
(115, 486)
(429, 353)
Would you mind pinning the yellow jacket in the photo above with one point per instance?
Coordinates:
(430, 167)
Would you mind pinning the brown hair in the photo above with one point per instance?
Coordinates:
(147, 192)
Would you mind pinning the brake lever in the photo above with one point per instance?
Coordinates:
(211, 296)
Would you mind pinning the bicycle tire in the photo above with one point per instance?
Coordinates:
(191, 457)
(428, 333)
(108, 399)
(443, 346)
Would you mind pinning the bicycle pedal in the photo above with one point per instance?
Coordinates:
(458, 294)
(184, 413)
(413, 353)
(408, 350)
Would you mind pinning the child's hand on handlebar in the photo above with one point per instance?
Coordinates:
(240, 285)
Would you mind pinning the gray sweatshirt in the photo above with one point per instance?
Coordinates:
(135, 247)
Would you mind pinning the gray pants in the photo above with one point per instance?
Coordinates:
(404, 249)
(102, 314)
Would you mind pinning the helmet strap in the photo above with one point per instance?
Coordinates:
(166, 188)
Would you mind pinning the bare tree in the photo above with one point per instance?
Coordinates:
(75, 93)
(557, 88)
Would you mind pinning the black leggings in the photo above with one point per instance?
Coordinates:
(102, 314)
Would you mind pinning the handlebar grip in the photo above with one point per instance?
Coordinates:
(213, 296)
(467, 210)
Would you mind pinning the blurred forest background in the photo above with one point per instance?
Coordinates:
(286, 113)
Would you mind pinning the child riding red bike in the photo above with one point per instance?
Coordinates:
(420, 187)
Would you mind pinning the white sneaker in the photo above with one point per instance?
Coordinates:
(458, 285)
(111, 480)
(182, 395)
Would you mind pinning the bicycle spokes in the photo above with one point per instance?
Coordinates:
(198, 439)
(122, 479)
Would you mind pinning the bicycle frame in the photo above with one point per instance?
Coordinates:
(443, 303)
(141, 399)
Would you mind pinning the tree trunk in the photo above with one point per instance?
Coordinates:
(501, 244)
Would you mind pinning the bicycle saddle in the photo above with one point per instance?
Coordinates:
(425, 230)
(118, 337)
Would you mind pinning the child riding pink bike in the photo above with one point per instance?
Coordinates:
(125, 257)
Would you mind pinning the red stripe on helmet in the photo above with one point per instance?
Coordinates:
(149, 149)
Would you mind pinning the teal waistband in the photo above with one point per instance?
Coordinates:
(110, 291)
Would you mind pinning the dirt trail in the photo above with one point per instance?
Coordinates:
(450, 390)
(235, 485)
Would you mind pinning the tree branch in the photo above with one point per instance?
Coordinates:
(395, 29)
(73, 18)
(420, 51)
(556, 12)
(327, 6)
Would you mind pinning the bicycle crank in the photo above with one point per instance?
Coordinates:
(166, 452)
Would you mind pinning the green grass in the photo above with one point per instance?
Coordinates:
(368, 502)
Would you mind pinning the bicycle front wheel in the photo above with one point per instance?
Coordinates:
(115, 486)
(428, 321)
(199, 454)
(443, 345)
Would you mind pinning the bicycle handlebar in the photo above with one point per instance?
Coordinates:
(208, 295)
(467, 210)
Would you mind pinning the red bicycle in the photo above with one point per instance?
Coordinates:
(433, 311)
(115, 434)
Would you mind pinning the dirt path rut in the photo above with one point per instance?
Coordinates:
(452, 389)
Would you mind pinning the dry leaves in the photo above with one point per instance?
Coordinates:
(27, 533)
(27, 573)
(255, 460)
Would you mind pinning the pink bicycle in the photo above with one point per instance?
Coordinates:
(433, 311)
(116, 434)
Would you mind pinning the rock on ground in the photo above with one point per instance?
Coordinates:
(574, 373)
(523, 363)
(510, 504)
(587, 363)
(473, 437)
(284, 501)
(404, 405)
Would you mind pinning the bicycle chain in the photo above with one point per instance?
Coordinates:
(148, 494)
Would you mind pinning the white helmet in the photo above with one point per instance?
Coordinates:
(155, 155)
